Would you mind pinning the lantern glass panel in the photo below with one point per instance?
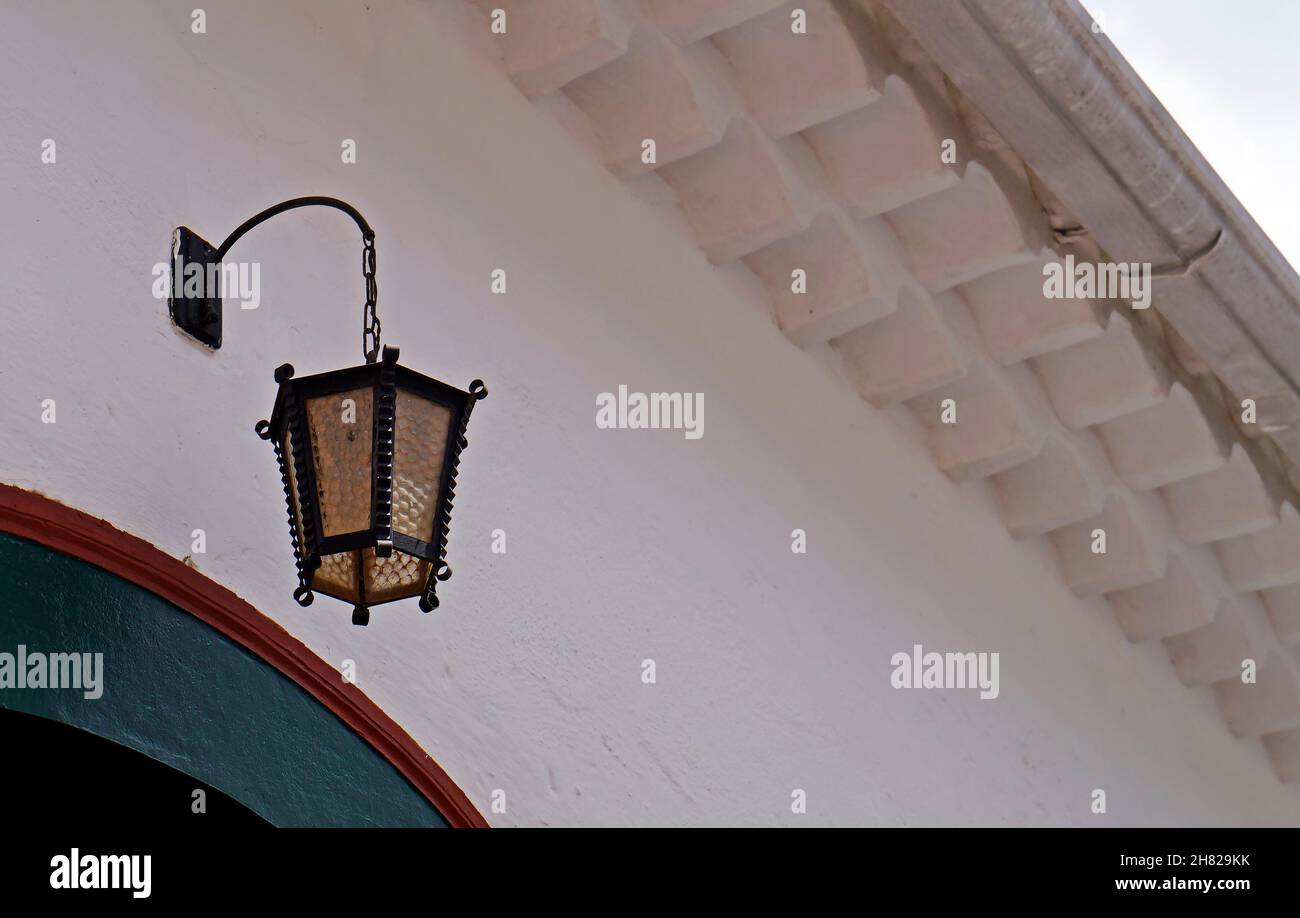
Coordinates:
(337, 576)
(395, 577)
(341, 437)
(419, 454)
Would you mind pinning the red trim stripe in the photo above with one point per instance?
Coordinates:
(70, 531)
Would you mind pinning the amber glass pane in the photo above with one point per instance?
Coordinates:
(341, 433)
(394, 577)
(419, 450)
(337, 575)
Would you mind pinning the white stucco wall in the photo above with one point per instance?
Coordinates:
(773, 668)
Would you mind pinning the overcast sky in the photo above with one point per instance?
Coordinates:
(1229, 73)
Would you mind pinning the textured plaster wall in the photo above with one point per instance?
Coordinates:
(773, 668)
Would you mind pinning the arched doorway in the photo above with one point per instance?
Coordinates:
(195, 678)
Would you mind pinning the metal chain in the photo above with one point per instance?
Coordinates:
(371, 326)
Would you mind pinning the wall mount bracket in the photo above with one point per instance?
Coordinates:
(198, 311)
(194, 303)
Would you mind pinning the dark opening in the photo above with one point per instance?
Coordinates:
(55, 774)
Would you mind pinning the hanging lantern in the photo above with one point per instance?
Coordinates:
(368, 455)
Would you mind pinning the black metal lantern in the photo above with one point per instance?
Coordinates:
(368, 457)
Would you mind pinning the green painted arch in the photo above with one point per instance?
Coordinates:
(183, 693)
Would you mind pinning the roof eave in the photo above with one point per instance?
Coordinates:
(1078, 115)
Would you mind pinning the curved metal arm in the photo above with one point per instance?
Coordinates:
(370, 325)
(313, 201)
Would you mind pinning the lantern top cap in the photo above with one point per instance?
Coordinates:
(361, 376)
